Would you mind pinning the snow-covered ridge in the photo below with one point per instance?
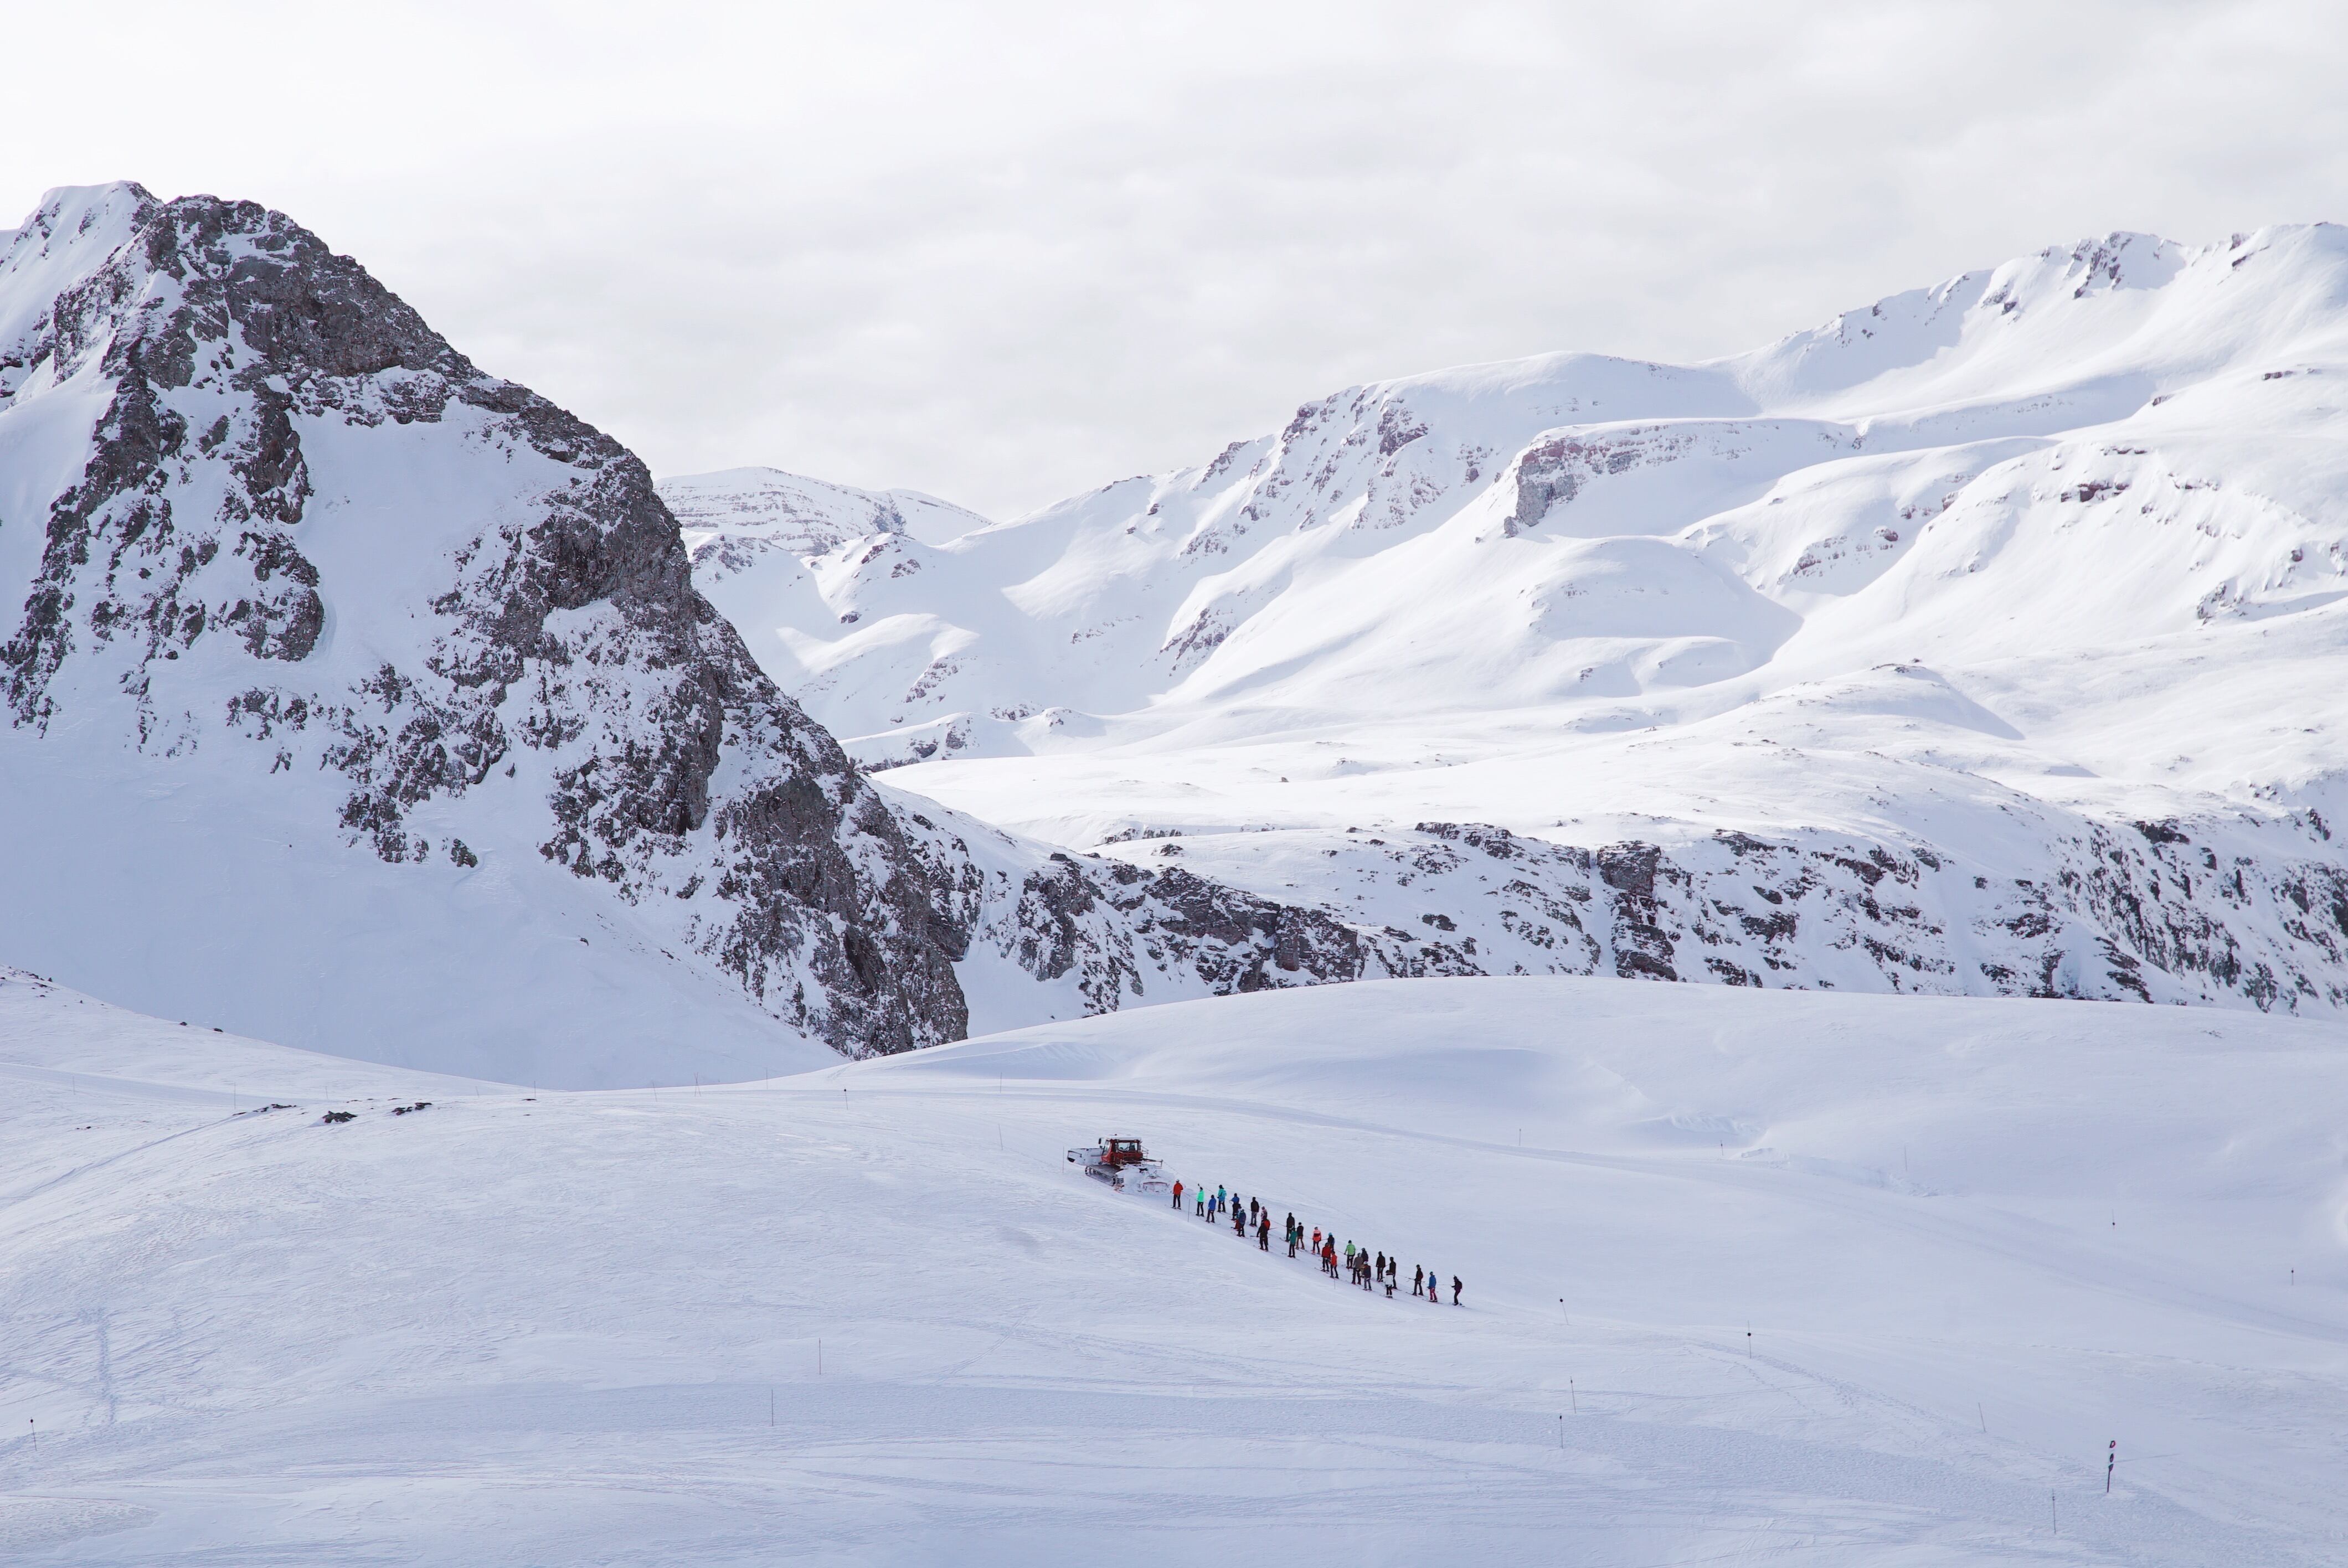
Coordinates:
(1988, 573)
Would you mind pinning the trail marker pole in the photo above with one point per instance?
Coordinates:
(2110, 1459)
(1749, 1339)
(1569, 1315)
(1561, 1434)
(1571, 1398)
(2053, 1520)
(1984, 1416)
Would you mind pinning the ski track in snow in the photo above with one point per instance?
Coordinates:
(519, 1328)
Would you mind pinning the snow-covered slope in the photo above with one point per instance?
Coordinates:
(2027, 592)
(357, 698)
(1836, 1279)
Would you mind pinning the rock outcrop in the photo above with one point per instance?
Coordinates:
(2163, 912)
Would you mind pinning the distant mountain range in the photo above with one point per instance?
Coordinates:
(1985, 639)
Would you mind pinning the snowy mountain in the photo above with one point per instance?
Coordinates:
(358, 698)
(1826, 1279)
(745, 512)
(1985, 639)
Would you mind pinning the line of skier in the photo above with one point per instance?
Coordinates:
(1370, 1273)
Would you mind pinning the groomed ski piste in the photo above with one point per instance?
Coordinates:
(1750, 1279)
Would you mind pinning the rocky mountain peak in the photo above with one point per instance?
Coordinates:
(459, 765)
(244, 561)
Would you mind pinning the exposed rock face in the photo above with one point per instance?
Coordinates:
(2161, 913)
(1116, 934)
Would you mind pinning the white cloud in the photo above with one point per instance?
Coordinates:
(1007, 252)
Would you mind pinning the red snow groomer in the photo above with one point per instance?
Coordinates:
(1122, 1163)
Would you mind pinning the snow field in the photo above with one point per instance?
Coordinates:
(517, 1328)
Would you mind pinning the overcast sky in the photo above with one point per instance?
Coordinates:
(1004, 252)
